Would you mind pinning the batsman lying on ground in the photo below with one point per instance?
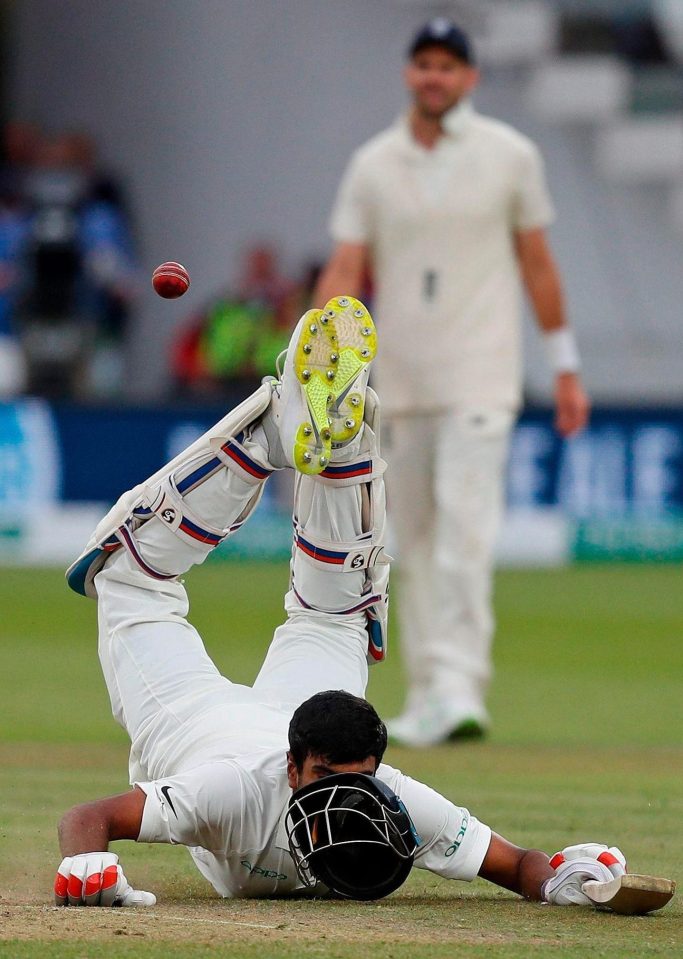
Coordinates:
(279, 788)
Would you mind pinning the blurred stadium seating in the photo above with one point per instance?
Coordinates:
(597, 84)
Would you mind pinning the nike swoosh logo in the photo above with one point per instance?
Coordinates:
(165, 790)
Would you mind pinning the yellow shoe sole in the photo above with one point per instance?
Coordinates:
(335, 345)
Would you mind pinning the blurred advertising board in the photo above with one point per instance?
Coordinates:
(613, 493)
(619, 484)
(30, 467)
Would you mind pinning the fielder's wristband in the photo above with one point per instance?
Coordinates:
(562, 351)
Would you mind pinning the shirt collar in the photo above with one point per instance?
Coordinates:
(457, 120)
(455, 125)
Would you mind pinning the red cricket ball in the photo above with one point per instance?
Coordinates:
(171, 280)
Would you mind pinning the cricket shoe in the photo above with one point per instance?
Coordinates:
(320, 403)
(436, 723)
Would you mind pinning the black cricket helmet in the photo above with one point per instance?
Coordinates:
(352, 833)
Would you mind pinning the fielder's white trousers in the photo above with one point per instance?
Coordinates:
(166, 692)
(445, 483)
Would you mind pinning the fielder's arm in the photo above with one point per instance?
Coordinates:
(523, 871)
(543, 285)
(344, 273)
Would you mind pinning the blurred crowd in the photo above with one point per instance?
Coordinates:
(637, 36)
(68, 275)
(69, 282)
(239, 332)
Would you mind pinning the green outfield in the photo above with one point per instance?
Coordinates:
(587, 744)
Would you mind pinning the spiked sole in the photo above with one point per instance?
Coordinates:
(357, 342)
(334, 348)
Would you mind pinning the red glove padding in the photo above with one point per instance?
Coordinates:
(96, 879)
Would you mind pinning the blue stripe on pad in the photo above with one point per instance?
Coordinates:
(198, 475)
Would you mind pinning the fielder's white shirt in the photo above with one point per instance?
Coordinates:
(440, 225)
(230, 814)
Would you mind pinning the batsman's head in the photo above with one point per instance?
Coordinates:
(345, 828)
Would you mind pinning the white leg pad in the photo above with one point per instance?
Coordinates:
(163, 494)
(339, 529)
(166, 502)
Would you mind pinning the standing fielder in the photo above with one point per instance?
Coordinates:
(447, 209)
(279, 788)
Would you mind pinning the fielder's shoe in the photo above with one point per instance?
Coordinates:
(320, 403)
(436, 723)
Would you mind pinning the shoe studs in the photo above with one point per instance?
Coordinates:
(321, 359)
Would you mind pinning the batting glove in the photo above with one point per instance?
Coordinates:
(96, 879)
(578, 864)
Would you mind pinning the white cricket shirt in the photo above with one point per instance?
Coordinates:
(440, 226)
(231, 815)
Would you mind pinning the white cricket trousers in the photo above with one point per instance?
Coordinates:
(445, 496)
(166, 692)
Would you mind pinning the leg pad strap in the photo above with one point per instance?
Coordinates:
(361, 470)
(168, 504)
(340, 557)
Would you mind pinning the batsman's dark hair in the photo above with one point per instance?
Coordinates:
(338, 726)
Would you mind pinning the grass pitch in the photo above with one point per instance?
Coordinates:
(586, 744)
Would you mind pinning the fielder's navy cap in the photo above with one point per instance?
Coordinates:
(443, 33)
